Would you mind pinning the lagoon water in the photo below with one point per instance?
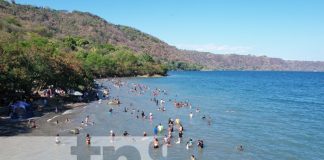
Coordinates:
(274, 115)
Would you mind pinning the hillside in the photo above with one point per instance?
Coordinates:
(59, 24)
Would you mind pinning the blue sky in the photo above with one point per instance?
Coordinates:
(288, 29)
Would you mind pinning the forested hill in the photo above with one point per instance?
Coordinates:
(59, 24)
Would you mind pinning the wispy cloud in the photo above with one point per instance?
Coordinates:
(216, 48)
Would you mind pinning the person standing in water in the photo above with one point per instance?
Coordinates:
(155, 130)
(88, 139)
(180, 137)
(87, 119)
(151, 116)
(155, 143)
(57, 139)
(189, 144)
(112, 133)
(191, 114)
(143, 114)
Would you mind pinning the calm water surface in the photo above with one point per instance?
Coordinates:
(274, 115)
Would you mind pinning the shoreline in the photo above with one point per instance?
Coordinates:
(44, 120)
(124, 117)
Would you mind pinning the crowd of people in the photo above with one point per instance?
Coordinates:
(174, 133)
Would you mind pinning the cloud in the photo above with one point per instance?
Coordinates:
(215, 48)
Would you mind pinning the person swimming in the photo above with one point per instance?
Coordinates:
(240, 148)
(144, 134)
(189, 144)
(200, 144)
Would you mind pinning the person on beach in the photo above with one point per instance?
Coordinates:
(57, 139)
(88, 139)
(67, 120)
(155, 143)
